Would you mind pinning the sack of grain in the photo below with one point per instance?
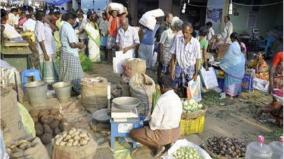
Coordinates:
(94, 92)
(74, 144)
(27, 148)
(10, 116)
(134, 66)
(116, 6)
(143, 88)
(156, 13)
(148, 21)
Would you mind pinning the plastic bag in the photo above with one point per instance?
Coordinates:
(209, 78)
(27, 120)
(194, 90)
(260, 84)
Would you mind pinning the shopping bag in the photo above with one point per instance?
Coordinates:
(194, 90)
(260, 84)
(209, 78)
(119, 59)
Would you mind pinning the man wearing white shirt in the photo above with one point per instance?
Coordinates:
(13, 17)
(211, 31)
(186, 58)
(127, 38)
(164, 123)
(29, 25)
(46, 48)
(228, 29)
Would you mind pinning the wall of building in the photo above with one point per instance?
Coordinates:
(266, 18)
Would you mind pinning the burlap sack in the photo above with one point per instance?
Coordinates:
(134, 66)
(10, 116)
(38, 151)
(143, 88)
(94, 92)
(75, 152)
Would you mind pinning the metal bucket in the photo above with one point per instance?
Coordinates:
(62, 90)
(36, 91)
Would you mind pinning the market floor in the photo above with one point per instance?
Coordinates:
(231, 118)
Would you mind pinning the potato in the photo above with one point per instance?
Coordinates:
(76, 143)
(46, 138)
(47, 129)
(77, 137)
(69, 144)
(83, 134)
(83, 142)
(54, 124)
(56, 131)
(61, 126)
(24, 145)
(39, 129)
(62, 143)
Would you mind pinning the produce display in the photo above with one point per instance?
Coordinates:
(27, 148)
(191, 106)
(186, 153)
(48, 123)
(73, 137)
(228, 147)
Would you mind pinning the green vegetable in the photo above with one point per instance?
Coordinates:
(186, 153)
(191, 106)
(86, 63)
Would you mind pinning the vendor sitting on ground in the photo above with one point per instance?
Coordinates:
(261, 68)
(276, 88)
(164, 123)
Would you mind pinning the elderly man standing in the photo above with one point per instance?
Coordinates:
(164, 124)
(70, 66)
(228, 29)
(186, 57)
(127, 38)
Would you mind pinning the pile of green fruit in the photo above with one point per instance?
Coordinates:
(191, 106)
(186, 153)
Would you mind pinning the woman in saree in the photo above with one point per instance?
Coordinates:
(93, 33)
(233, 64)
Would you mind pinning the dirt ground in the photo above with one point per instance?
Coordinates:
(227, 117)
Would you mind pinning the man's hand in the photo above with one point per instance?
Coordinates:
(81, 45)
(46, 57)
(125, 50)
(194, 77)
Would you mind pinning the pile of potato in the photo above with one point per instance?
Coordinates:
(73, 137)
(18, 149)
(48, 123)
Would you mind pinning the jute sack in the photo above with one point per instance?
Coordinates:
(143, 88)
(134, 66)
(10, 116)
(75, 152)
(94, 92)
(36, 151)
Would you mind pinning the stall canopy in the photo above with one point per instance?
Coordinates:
(56, 2)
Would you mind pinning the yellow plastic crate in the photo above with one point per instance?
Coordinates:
(192, 126)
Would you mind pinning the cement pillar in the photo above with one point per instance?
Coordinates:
(133, 11)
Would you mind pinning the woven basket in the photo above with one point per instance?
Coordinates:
(194, 115)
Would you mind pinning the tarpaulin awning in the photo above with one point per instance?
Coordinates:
(56, 2)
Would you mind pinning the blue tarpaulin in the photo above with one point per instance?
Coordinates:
(56, 2)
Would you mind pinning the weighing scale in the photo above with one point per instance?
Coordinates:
(122, 122)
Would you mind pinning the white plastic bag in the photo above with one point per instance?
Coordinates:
(186, 143)
(260, 84)
(194, 90)
(119, 59)
(209, 78)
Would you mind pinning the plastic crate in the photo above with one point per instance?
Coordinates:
(192, 126)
